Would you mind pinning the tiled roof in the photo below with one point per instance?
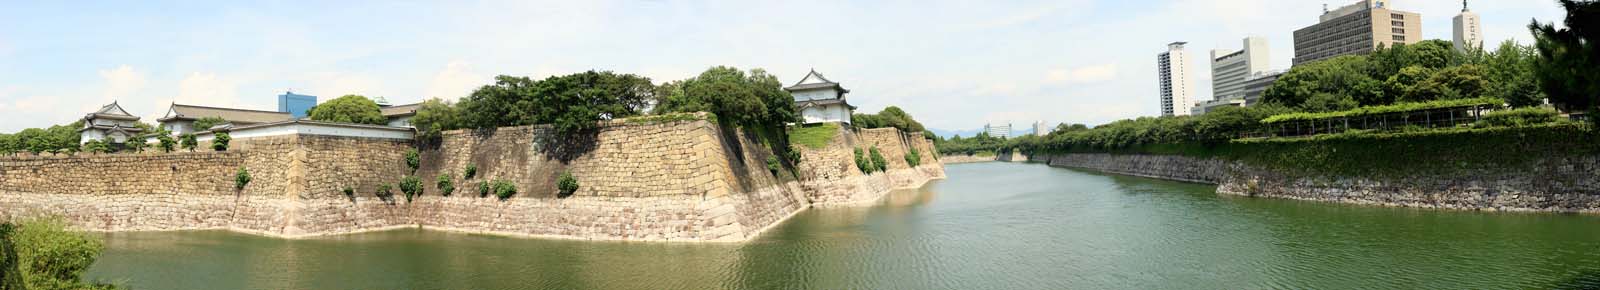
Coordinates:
(401, 110)
(237, 116)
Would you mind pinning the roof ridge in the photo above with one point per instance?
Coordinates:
(230, 109)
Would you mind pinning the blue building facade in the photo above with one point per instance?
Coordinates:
(296, 105)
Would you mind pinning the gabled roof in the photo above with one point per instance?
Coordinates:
(823, 102)
(111, 111)
(401, 110)
(814, 80)
(238, 116)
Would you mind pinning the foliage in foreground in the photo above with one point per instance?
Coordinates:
(505, 189)
(566, 184)
(411, 186)
(445, 186)
(46, 255)
(241, 178)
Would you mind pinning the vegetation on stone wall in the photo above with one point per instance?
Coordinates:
(862, 163)
(135, 144)
(566, 184)
(348, 109)
(913, 158)
(165, 142)
(483, 189)
(571, 103)
(505, 189)
(890, 117)
(755, 98)
(444, 184)
(219, 142)
(44, 254)
(878, 161)
(434, 116)
(384, 191)
(188, 141)
(413, 160)
(241, 178)
(773, 165)
(472, 171)
(96, 146)
(411, 186)
(348, 191)
(1520, 117)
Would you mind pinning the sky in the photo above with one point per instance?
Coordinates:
(954, 65)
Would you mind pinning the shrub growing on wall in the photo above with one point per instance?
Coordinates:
(773, 165)
(913, 158)
(96, 146)
(566, 184)
(862, 163)
(472, 170)
(384, 191)
(166, 143)
(220, 141)
(411, 186)
(445, 186)
(241, 178)
(349, 191)
(188, 142)
(136, 144)
(878, 161)
(504, 189)
(483, 189)
(413, 160)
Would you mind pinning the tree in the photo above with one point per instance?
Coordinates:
(205, 124)
(348, 109)
(136, 144)
(756, 98)
(1432, 53)
(1344, 77)
(570, 103)
(1567, 57)
(895, 117)
(1457, 82)
(1510, 69)
(188, 142)
(96, 146)
(165, 141)
(1402, 85)
(434, 117)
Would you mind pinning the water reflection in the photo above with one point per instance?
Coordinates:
(990, 226)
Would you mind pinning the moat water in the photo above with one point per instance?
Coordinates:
(989, 226)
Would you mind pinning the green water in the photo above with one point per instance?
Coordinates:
(989, 226)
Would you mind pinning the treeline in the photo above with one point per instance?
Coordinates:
(576, 102)
(1560, 67)
(58, 138)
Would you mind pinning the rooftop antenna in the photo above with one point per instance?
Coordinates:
(1463, 5)
(1324, 8)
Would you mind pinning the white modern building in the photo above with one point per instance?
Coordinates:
(998, 131)
(1230, 69)
(820, 100)
(1172, 68)
(109, 122)
(1040, 129)
(1468, 35)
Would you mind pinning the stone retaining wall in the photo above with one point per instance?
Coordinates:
(672, 180)
(1550, 185)
(957, 159)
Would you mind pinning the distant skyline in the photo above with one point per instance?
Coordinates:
(955, 65)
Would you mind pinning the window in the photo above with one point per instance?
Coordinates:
(1399, 38)
(1398, 30)
(1397, 16)
(1397, 23)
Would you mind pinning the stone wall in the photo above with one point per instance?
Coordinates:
(956, 159)
(667, 180)
(1550, 185)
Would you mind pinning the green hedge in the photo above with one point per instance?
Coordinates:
(1375, 110)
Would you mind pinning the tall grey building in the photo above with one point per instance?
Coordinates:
(1358, 28)
(1466, 31)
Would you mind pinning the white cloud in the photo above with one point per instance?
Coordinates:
(122, 82)
(335, 84)
(207, 89)
(455, 81)
(1086, 74)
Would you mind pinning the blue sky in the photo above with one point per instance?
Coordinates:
(955, 65)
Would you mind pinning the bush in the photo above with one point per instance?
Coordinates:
(1519, 117)
(384, 191)
(445, 186)
(877, 160)
(862, 163)
(504, 189)
(773, 165)
(348, 191)
(411, 186)
(793, 155)
(47, 255)
(96, 146)
(567, 184)
(472, 170)
(413, 160)
(166, 142)
(136, 144)
(241, 178)
(483, 189)
(913, 158)
(188, 142)
(220, 141)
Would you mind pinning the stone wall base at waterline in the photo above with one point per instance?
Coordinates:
(1549, 185)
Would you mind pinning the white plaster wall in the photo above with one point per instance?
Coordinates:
(829, 113)
(313, 129)
(400, 122)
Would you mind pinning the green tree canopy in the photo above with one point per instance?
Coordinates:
(435, 116)
(570, 102)
(1341, 79)
(348, 109)
(1568, 57)
(206, 123)
(754, 98)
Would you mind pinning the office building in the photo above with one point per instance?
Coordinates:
(295, 105)
(1172, 69)
(1358, 28)
(998, 131)
(1229, 68)
(1468, 35)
